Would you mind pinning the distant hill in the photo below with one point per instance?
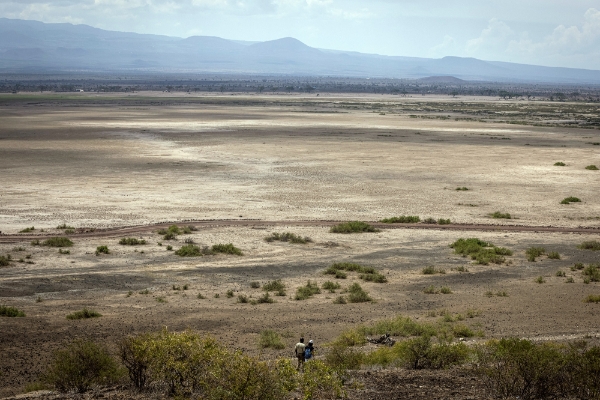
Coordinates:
(36, 47)
(442, 79)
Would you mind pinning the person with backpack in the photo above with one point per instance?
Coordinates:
(299, 350)
(309, 350)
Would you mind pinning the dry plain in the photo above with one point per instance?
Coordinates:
(109, 161)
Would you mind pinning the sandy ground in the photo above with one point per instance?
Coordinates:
(104, 166)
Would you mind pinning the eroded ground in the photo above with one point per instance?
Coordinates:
(285, 159)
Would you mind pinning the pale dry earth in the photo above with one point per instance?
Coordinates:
(110, 166)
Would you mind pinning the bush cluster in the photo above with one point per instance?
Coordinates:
(590, 245)
(403, 219)
(500, 215)
(270, 339)
(131, 241)
(534, 252)
(191, 250)
(7, 311)
(5, 260)
(27, 230)
(288, 237)
(368, 274)
(353, 227)
(102, 250)
(309, 290)
(57, 242)
(569, 200)
(275, 286)
(592, 167)
(592, 272)
(480, 251)
(84, 314)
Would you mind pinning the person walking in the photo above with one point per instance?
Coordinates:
(309, 351)
(299, 350)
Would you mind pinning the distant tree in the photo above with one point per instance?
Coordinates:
(560, 96)
(260, 89)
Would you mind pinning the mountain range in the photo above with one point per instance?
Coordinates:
(36, 47)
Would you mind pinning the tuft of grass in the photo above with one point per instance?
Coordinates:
(200, 296)
(161, 299)
(274, 286)
(217, 295)
(309, 290)
(357, 294)
(7, 311)
(443, 221)
(61, 251)
(264, 299)
(57, 242)
(480, 251)
(20, 248)
(560, 274)
(288, 237)
(229, 293)
(84, 314)
(36, 242)
(534, 252)
(445, 290)
(131, 241)
(571, 199)
(27, 230)
(340, 300)
(353, 227)
(430, 290)
(173, 229)
(559, 164)
(540, 279)
(5, 260)
(590, 245)
(430, 220)
(368, 274)
(145, 291)
(64, 226)
(169, 236)
(242, 298)
(570, 280)
(553, 255)
(462, 189)
(592, 168)
(431, 270)
(501, 294)
(254, 285)
(102, 250)
(462, 269)
(228, 248)
(592, 298)
(189, 250)
(270, 339)
(169, 248)
(500, 215)
(403, 219)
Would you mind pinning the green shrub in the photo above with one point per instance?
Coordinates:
(534, 252)
(331, 286)
(58, 242)
(590, 245)
(169, 236)
(540, 279)
(136, 354)
(320, 381)
(274, 286)
(254, 285)
(304, 292)
(102, 250)
(480, 251)
(560, 274)
(61, 251)
(368, 274)
(462, 188)
(445, 290)
(131, 241)
(36, 242)
(520, 368)
(431, 270)
(403, 219)
(64, 226)
(376, 277)
(553, 255)
(430, 290)
(342, 358)
(592, 168)
(270, 339)
(228, 248)
(569, 200)
(430, 220)
(81, 366)
(500, 215)
(288, 237)
(84, 314)
(169, 248)
(200, 296)
(570, 280)
(559, 164)
(264, 299)
(592, 299)
(173, 229)
(443, 221)
(242, 298)
(5, 260)
(340, 300)
(229, 293)
(190, 250)
(592, 272)
(6, 311)
(27, 230)
(357, 294)
(353, 227)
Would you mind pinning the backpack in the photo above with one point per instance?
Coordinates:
(307, 353)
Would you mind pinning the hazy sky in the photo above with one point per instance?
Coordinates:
(545, 32)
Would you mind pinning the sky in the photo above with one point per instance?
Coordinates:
(564, 33)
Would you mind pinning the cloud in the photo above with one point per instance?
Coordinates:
(496, 36)
(447, 46)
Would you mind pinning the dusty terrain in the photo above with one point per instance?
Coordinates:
(135, 160)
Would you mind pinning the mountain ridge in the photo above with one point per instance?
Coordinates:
(39, 47)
